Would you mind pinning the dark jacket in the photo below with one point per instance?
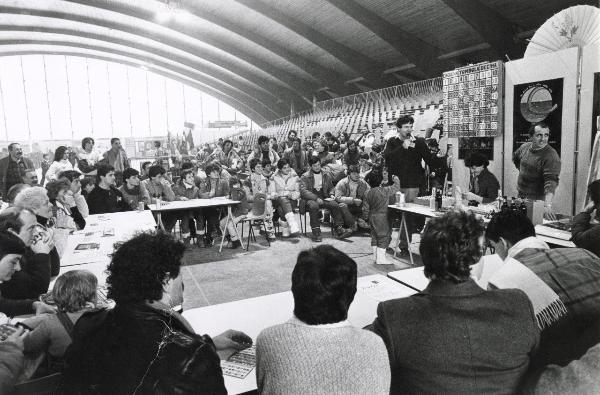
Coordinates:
(300, 165)
(4, 187)
(307, 183)
(458, 339)
(586, 235)
(112, 351)
(34, 277)
(222, 188)
(102, 201)
(406, 163)
(488, 186)
(351, 158)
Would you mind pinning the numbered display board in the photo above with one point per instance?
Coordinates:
(473, 100)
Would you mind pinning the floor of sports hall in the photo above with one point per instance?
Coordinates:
(212, 278)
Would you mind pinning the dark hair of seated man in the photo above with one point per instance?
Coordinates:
(323, 285)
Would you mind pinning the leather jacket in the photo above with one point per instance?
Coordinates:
(135, 348)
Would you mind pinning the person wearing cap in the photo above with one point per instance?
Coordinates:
(483, 185)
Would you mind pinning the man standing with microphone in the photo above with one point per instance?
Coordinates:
(403, 154)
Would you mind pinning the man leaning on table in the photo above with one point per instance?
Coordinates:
(455, 337)
(106, 198)
(562, 283)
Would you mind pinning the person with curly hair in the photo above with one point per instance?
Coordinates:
(455, 337)
(126, 350)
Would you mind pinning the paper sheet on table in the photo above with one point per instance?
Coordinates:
(382, 291)
(240, 364)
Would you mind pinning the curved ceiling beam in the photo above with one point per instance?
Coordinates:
(367, 67)
(215, 73)
(493, 27)
(284, 93)
(423, 55)
(255, 116)
(249, 101)
(326, 76)
(300, 85)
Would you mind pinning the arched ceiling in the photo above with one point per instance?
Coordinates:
(264, 56)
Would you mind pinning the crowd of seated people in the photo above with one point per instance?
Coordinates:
(534, 327)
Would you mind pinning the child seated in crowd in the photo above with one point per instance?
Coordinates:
(74, 293)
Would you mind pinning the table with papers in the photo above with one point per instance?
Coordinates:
(196, 204)
(253, 315)
(90, 248)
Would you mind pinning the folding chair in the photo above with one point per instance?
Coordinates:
(256, 217)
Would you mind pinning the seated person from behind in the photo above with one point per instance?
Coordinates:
(351, 192)
(133, 190)
(74, 293)
(483, 185)
(586, 229)
(105, 197)
(12, 249)
(454, 337)
(562, 284)
(304, 354)
(127, 349)
(66, 216)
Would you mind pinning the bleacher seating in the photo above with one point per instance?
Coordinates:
(358, 113)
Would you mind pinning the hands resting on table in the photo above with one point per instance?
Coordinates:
(231, 341)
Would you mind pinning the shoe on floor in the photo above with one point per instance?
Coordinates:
(342, 233)
(316, 235)
(362, 224)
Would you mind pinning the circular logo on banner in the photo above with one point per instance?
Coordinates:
(537, 103)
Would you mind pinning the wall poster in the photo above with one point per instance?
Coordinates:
(540, 101)
(468, 145)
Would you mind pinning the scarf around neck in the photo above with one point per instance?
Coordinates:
(547, 306)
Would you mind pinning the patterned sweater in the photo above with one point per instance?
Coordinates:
(538, 170)
(297, 358)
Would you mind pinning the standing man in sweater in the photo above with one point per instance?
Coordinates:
(539, 168)
(117, 158)
(403, 154)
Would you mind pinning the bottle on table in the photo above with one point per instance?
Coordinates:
(432, 199)
(504, 204)
(438, 200)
